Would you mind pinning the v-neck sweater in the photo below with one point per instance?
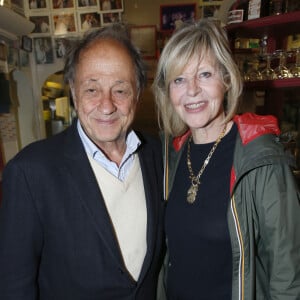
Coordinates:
(126, 204)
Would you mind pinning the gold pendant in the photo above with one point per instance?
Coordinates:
(192, 193)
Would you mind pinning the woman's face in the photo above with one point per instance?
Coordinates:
(197, 94)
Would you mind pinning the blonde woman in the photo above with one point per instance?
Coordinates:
(232, 219)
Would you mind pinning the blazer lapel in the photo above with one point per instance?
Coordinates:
(77, 166)
(152, 201)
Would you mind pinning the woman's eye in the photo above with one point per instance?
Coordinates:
(205, 75)
(178, 80)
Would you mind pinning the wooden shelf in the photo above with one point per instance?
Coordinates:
(279, 25)
(273, 84)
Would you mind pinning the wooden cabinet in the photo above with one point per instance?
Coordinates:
(277, 92)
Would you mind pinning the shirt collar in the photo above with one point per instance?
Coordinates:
(132, 143)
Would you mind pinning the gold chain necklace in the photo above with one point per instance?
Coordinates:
(193, 190)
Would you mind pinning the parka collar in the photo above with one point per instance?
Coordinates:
(250, 126)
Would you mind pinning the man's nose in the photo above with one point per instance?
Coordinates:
(106, 104)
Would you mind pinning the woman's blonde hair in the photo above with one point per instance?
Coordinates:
(205, 37)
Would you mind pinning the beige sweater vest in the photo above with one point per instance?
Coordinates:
(126, 205)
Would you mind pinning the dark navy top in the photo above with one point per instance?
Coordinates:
(200, 265)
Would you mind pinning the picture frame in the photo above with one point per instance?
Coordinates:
(88, 20)
(110, 17)
(210, 11)
(62, 45)
(41, 23)
(87, 4)
(111, 5)
(37, 5)
(144, 38)
(62, 4)
(64, 23)
(172, 16)
(211, 8)
(43, 50)
(26, 43)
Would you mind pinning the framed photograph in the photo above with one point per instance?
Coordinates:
(26, 43)
(89, 20)
(37, 4)
(60, 4)
(41, 24)
(210, 11)
(173, 16)
(62, 46)
(144, 38)
(109, 5)
(87, 4)
(111, 17)
(64, 23)
(43, 50)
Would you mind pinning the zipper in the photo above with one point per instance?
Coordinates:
(242, 252)
(166, 169)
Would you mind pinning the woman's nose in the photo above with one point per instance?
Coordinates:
(193, 87)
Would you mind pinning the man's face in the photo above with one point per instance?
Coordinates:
(105, 92)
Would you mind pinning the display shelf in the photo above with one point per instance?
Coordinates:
(274, 32)
(278, 26)
(273, 84)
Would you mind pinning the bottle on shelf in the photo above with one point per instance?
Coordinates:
(238, 12)
(276, 7)
(258, 9)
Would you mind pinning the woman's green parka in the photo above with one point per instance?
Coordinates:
(263, 212)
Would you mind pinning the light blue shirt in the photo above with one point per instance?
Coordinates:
(132, 143)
